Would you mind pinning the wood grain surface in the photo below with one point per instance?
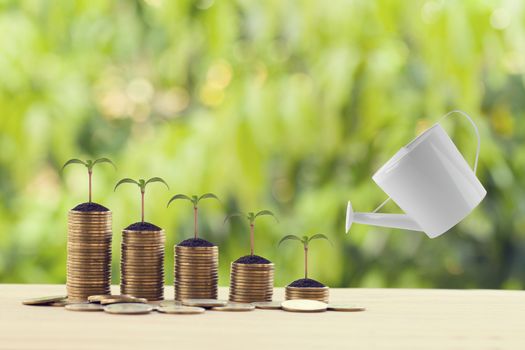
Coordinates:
(395, 319)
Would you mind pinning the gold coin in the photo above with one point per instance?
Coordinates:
(45, 300)
(99, 297)
(84, 307)
(304, 305)
(204, 302)
(307, 289)
(234, 307)
(180, 309)
(269, 305)
(128, 309)
(344, 307)
(122, 299)
(170, 303)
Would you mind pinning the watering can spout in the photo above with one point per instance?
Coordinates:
(401, 221)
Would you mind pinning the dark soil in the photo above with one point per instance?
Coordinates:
(252, 259)
(306, 283)
(143, 226)
(195, 242)
(90, 207)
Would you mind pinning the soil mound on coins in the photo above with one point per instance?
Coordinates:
(90, 207)
(306, 283)
(196, 242)
(143, 226)
(252, 259)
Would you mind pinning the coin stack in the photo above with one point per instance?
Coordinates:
(196, 272)
(251, 282)
(313, 293)
(142, 264)
(88, 253)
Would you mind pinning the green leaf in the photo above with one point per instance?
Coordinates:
(104, 160)
(289, 237)
(73, 161)
(208, 195)
(157, 179)
(233, 215)
(320, 236)
(266, 212)
(126, 181)
(178, 196)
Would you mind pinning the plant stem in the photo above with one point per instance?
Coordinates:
(142, 204)
(251, 238)
(89, 176)
(305, 262)
(195, 209)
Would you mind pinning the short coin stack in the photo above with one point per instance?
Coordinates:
(88, 253)
(312, 293)
(142, 264)
(251, 282)
(196, 272)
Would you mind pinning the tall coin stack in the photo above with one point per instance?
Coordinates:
(251, 282)
(142, 264)
(196, 272)
(88, 254)
(313, 293)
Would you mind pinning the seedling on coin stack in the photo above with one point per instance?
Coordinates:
(142, 265)
(251, 275)
(306, 288)
(88, 241)
(196, 259)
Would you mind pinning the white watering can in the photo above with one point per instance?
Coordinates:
(430, 181)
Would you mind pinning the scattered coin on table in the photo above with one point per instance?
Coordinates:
(204, 302)
(344, 307)
(268, 305)
(84, 307)
(123, 299)
(45, 300)
(235, 307)
(304, 305)
(99, 298)
(128, 309)
(170, 303)
(180, 309)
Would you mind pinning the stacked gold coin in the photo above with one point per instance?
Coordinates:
(251, 282)
(88, 253)
(313, 293)
(142, 264)
(196, 272)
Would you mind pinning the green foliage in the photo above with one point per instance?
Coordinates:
(89, 164)
(270, 104)
(305, 240)
(251, 216)
(194, 199)
(141, 183)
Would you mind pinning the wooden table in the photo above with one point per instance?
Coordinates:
(395, 319)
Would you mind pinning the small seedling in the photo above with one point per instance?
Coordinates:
(251, 219)
(89, 164)
(142, 185)
(195, 201)
(305, 240)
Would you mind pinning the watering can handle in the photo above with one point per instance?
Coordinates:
(477, 149)
(475, 130)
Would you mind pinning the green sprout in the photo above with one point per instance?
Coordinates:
(195, 201)
(142, 185)
(251, 219)
(89, 164)
(305, 240)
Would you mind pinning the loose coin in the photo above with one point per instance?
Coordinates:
(304, 305)
(204, 302)
(84, 307)
(128, 309)
(344, 307)
(170, 303)
(45, 300)
(269, 305)
(122, 299)
(180, 309)
(235, 307)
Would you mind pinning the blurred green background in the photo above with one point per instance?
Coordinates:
(282, 105)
